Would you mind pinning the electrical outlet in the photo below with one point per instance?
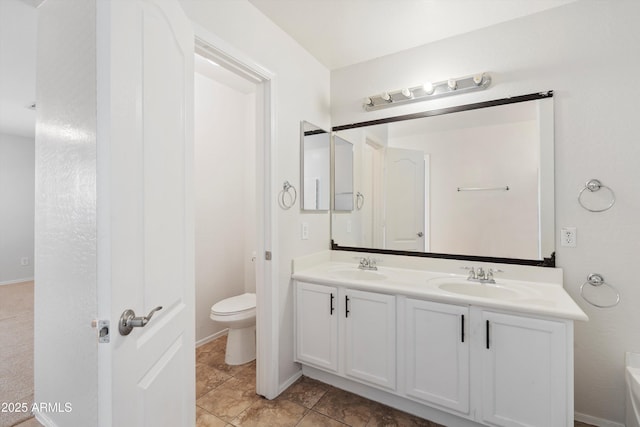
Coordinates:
(568, 237)
(24, 260)
(305, 231)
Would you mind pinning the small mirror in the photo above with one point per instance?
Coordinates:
(315, 149)
(343, 175)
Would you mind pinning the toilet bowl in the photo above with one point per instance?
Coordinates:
(239, 315)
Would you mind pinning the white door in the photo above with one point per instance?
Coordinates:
(145, 211)
(524, 372)
(317, 325)
(437, 353)
(370, 337)
(404, 200)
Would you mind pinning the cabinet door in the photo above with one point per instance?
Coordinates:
(317, 325)
(524, 371)
(370, 337)
(437, 353)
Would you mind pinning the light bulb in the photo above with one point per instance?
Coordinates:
(478, 78)
(453, 85)
(428, 88)
(407, 93)
(386, 97)
(368, 102)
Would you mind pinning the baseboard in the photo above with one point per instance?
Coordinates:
(212, 337)
(584, 418)
(44, 420)
(13, 282)
(285, 385)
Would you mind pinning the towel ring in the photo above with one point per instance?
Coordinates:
(359, 200)
(282, 196)
(595, 279)
(594, 185)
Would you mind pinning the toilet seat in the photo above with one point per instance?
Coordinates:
(231, 306)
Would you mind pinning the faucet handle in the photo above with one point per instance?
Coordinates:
(472, 272)
(491, 271)
(481, 273)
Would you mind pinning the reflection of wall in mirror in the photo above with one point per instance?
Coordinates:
(487, 223)
(343, 169)
(316, 172)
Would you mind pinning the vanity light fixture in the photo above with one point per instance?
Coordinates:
(427, 91)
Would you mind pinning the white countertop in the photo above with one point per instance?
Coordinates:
(544, 298)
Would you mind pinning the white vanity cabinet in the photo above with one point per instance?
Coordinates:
(525, 371)
(436, 353)
(317, 325)
(370, 337)
(347, 331)
(490, 366)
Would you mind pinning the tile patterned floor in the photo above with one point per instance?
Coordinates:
(226, 397)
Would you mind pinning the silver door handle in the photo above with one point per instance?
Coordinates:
(128, 320)
(420, 234)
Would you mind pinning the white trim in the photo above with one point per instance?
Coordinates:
(584, 418)
(267, 328)
(13, 282)
(212, 337)
(44, 420)
(289, 382)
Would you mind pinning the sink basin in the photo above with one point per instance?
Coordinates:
(476, 289)
(356, 274)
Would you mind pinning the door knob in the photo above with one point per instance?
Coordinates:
(128, 320)
(420, 234)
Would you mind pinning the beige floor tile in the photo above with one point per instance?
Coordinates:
(345, 407)
(208, 378)
(306, 392)
(314, 419)
(384, 416)
(205, 419)
(247, 372)
(229, 399)
(272, 413)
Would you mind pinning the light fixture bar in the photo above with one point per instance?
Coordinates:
(428, 91)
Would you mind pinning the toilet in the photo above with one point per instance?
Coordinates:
(239, 315)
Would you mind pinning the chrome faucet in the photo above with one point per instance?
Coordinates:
(367, 263)
(481, 275)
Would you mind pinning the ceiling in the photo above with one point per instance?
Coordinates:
(337, 32)
(340, 33)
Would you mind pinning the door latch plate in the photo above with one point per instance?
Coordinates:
(103, 331)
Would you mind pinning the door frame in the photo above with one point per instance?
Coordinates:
(267, 330)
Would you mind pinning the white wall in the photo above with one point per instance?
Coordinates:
(17, 175)
(301, 93)
(224, 139)
(575, 50)
(65, 346)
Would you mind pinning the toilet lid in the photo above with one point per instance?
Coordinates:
(235, 304)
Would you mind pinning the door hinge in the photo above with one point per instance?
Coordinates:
(103, 330)
(267, 255)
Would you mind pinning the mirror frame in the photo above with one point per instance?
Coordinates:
(304, 133)
(546, 262)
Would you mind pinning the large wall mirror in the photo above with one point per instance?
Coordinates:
(470, 182)
(315, 149)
